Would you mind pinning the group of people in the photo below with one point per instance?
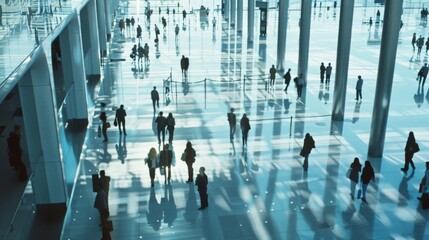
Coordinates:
(126, 24)
(424, 14)
(139, 52)
(325, 70)
(163, 123)
(164, 160)
(184, 65)
(419, 42)
(244, 125)
(119, 121)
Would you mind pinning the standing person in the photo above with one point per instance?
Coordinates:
(410, 148)
(299, 81)
(359, 84)
(146, 53)
(426, 181)
(245, 127)
(201, 182)
(128, 24)
(184, 14)
(171, 122)
(423, 73)
(214, 22)
(182, 64)
(140, 54)
(232, 122)
(287, 78)
(133, 21)
(133, 54)
(157, 32)
(328, 73)
(139, 32)
(322, 72)
(155, 98)
(366, 176)
(370, 22)
(306, 149)
(121, 26)
(273, 72)
(152, 162)
(176, 30)
(413, 41)
(104, 125)
(427, 45)
(186, 66)
(355, 168)
(161, 124)
(166, 157)
(420, 43)
(120, 118)
(189, 157)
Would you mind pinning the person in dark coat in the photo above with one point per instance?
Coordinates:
(322, 72)
(201, 182)
(245, 127)
(161, 125)
(232, 119)
(190, 159)
(171, 122)
(273, 72)
(423, 73)
(120, 118)
(165, 158)
(366, 176)
(182, 64)
(101, 205)
(155, 98)
(355, 167)
(103, 119)
(413, 41)
(410, 149)
(328, 73)
(309, 144)
(359, 84)
(287, 78)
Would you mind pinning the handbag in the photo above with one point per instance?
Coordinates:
(115, 122)
(302, 153)
(422, 184)
(416, 148)
(184, 156)
(348, 172)
(108, 125)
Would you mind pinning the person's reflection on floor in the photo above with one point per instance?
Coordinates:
(404, 194)
(105, 156)
(154, 211)
(191, 211)
(419, 97)
(185, 88)
(356, 112)
(286, 104)
(121, 149)
(169, 206)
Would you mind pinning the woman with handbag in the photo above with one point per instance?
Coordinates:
(410, 148)
(152, 162)
(353, 175)
(306, 149)
(189, 157)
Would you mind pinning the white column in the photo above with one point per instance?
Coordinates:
(109, 17)
(101, 17)
(41, 132)
(250, 20)
(73, 71)
(90, 40)
(239, 16)
(281, 39)
(304, 38)
(233, 12)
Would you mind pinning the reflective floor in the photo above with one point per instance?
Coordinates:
(258, 191)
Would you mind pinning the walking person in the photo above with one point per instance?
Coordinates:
(413, 41)
(201, 182)
(287, 79)
(146, 53)
(189, 157)
(423, 73)
(359, 84)
(182, 64)
(366, 176)
(299, 81)
(140, 54)
(161, 125)
(328, 73)
(425, 182)
(157, 32)
(309, 144)
(166, 157)
(232, 119)
(176, 30)
(427, 45)
(410, 148)
(273, 72)
(139, 32)
(104, 125)
(171, 122)
(245, 127)
(120, 118)
(155, 98)
(355, 168)
(322, 72)
(102, 206)
(186, 66)
(152, 162)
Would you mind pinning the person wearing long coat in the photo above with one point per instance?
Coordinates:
(190, 159)
(309, 144)
(366, 177)
(201, 182)
(355, 168)
(410, 149)
(245, 127)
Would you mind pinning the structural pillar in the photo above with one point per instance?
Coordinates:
(90, 44)
(281, 38)
(41, 130)
(250, 20)
(386, 69)
(227, 9)
(74, 71)
(343, 56)
(109, 17)
(304, 38)
(233, 12)
(101, 20)
(239, 16)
